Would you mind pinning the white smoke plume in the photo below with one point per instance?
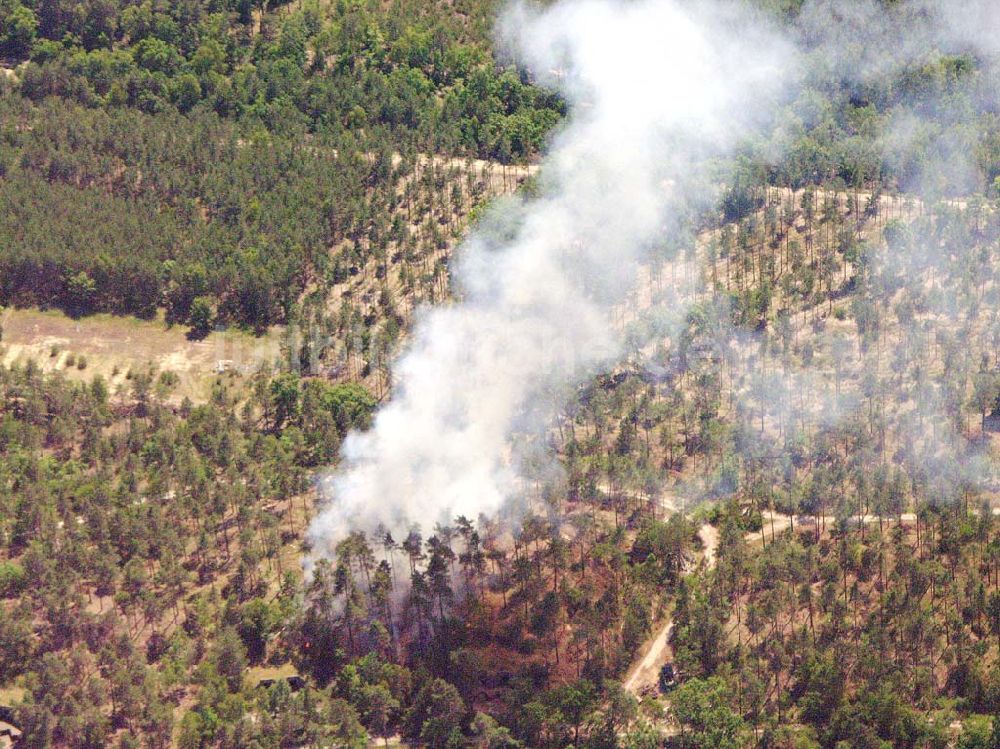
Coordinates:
(657, 91)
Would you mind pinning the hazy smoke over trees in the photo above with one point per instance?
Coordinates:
(655, 90)
(661, 92)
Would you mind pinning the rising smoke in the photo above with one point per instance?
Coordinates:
(661, 94)
(657, 91)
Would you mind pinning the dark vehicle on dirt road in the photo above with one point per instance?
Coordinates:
(668, 677)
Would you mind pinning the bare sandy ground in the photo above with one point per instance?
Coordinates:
(113, 346)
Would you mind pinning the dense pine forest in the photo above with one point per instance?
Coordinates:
(787, 491)
(204, 157)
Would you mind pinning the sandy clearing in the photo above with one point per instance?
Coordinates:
(709, 536)
(112, 346)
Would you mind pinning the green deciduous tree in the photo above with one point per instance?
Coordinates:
(703, 707)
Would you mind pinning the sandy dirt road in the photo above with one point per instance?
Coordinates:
(776, 523)
(646, 672)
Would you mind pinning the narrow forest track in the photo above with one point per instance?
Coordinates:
(645, 674)
(775, 523)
